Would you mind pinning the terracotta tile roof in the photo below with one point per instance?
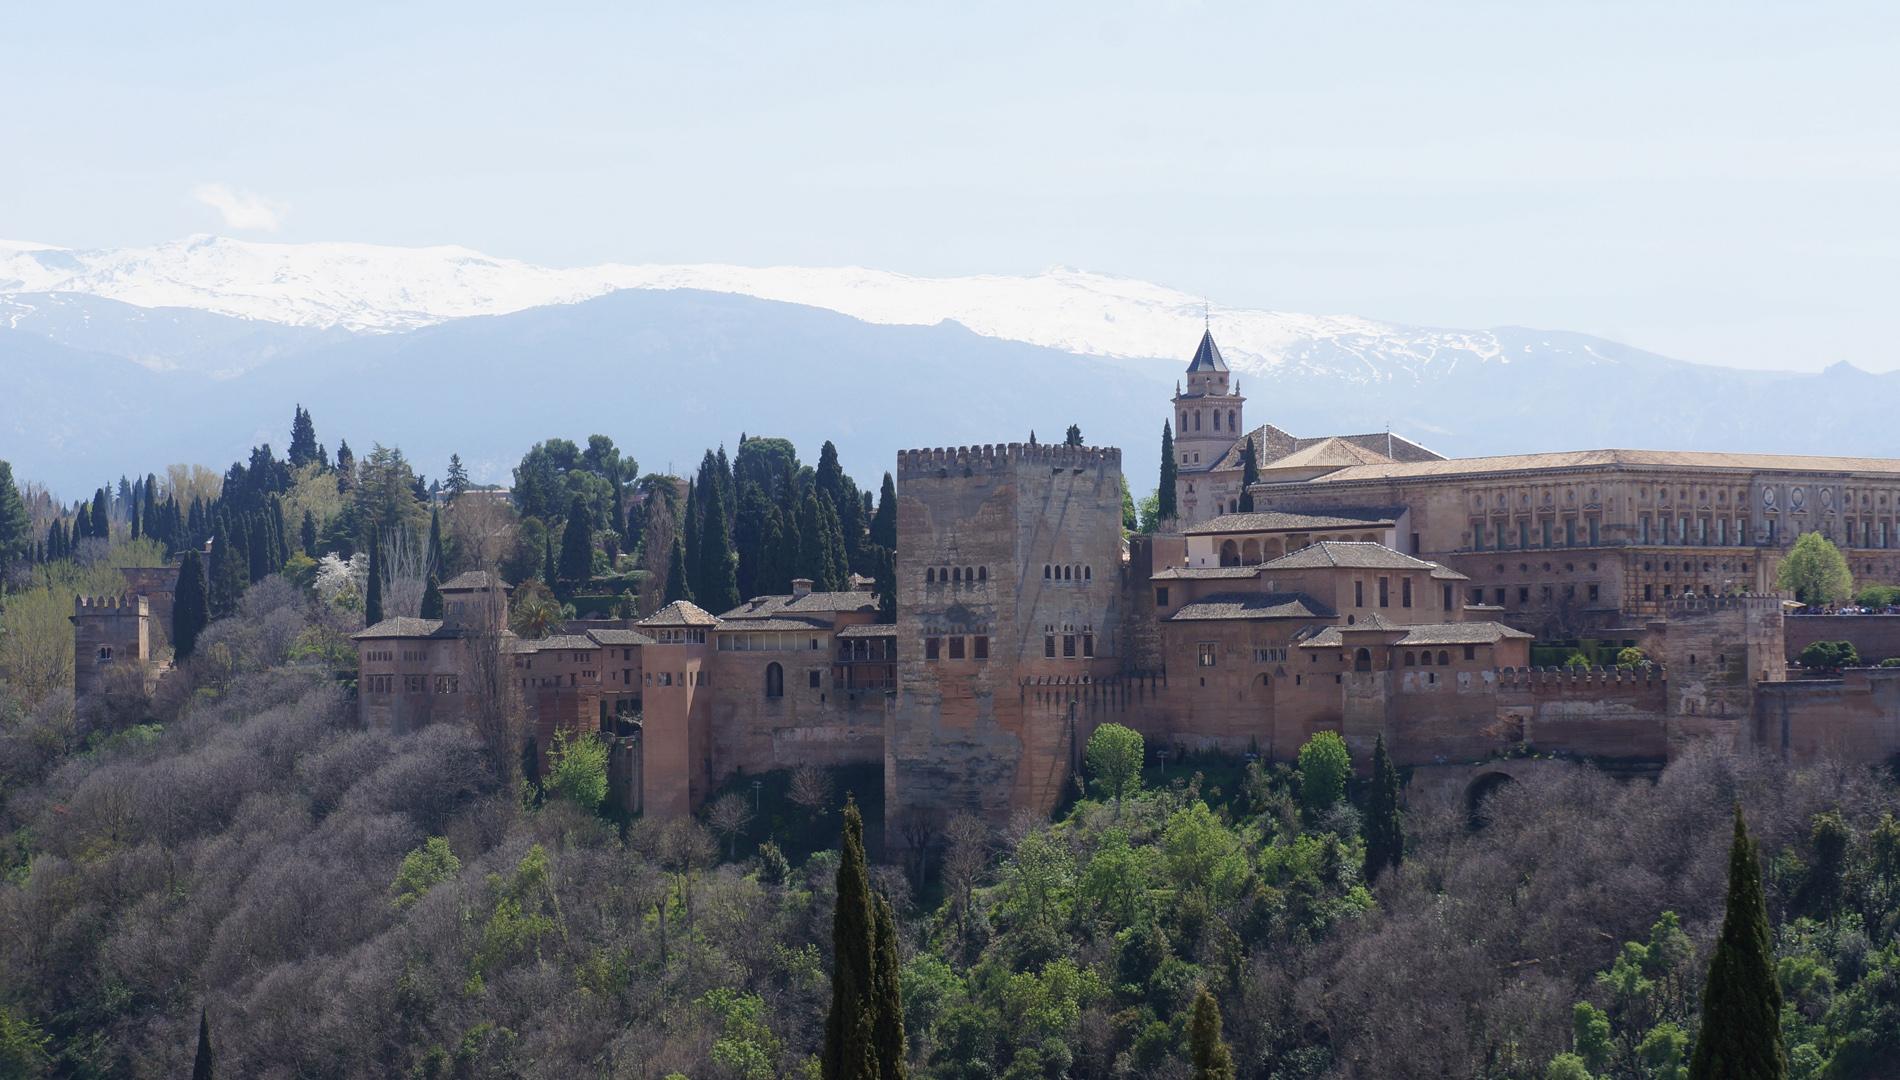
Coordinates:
(1575, 459)
(868, 630)
(1206, 573)
(815, 603)
(1284, 521)
(559, 643)
(619, 638)
(679, 613)
(1252, 606)
(401, 627)
(1331, 452)
(1441, 572)
(1461, 633)
(1352, 554)
(470, 580)
(774, 624)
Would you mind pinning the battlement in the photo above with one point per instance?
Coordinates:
(1552, 680)
(1706, 605)
(996, 457)
(110, 605)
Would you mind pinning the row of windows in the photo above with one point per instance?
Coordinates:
(1592, 592)
(1385, 592)
(978, 647)
(1545, 534)
(669, 678)
(680, 636)
(955, 575)
(375, 655)
(1069, 643)
(1067, 573)
(768, 641)
(1424, 659)
(414, 684)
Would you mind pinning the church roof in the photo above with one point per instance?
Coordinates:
(679, 613)
(1207, 357)
(1333, 452)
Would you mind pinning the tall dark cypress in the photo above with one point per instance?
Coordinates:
(229, 572)
(101, 515)
(718, 587)
(303, 439)
(373, 603)
(261, 549)
(577, 545)
(1385, 832)
(688, 535)
(82, 524)
(547, 560)
(884, 523)
(838, 565)
(850, 1042)
(1249, 475)
(307, 534)
(201, 1063)
(190, 608)
(1207, 1051)
(678, 586)
(1741, 1004)
(133, 508)
(1164, 491)
(887, 1024)
(748, 539)
(437, 564)
(149, 501)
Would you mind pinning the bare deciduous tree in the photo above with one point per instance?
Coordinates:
(729, 816)
(811, 789)
(494, 706)
(405, 574)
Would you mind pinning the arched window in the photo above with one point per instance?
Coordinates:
(956, 573)
(774, 680)
(1443, 658)
(930, 575)
(1425, 658)
(1184, 421)
(1197, 419)
(1411, 659)
(1229, 553)
(982, 573)
(105, 653)
(969, 574)
(1216, 419)
(1045, 571)
(1068, 573)
(1250, 552)
(1362, 660)
(1088, 573)
(1230, 419)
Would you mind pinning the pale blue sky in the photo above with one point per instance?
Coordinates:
(1716, 181)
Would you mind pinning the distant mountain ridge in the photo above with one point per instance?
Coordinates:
(126, 361)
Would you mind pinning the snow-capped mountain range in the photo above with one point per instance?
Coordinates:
(366, 287)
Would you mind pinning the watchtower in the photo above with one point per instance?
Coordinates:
(1209, 417)
(110, 634)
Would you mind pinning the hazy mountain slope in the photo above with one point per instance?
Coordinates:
(163, 339)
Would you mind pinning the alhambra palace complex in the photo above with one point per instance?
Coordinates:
(1377, 588)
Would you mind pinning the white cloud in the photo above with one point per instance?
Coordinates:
(240, 209)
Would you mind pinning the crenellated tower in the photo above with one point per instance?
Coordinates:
(1209, 416)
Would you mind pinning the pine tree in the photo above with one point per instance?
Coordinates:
(677, 586)
(1206, 1050)
(688, 534)
(303, 439)
(307, 534)
(345, 466)
(1385, 832)
(16, 529)
(577, 544)
(201, 1063)
(887, 1024)
(190, 609)
(718, 588)
(1164, 492)
(458, 478)
(850, 1051)
(1741, 1005)
(1073, 437)
(1249, 476)
(373, 603)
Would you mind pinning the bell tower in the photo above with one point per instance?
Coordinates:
(1209, 417)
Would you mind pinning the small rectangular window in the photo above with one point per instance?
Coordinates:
(1088, 645)
(1471, 652)
(1385, 593)
(932, 647)
(1161, 596)
(1204, 654)
(1447, 604)
(1358, 594)
(1523, 594)
(1405, 592)
(1593, 593)
(980, 647)
(1049, 646)
(1649, 592)
(814, 678)
(956, 648)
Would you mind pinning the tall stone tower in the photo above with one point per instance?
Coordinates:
(111, 634)
(1008, 598)
(1209, 417)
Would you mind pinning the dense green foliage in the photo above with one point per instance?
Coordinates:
(1325, 765)
(1829, 655)
(1815, 571)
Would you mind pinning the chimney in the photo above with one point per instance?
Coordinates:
(801, 586)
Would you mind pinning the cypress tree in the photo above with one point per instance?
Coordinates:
(1207, 1051)
(101, 515)
(718, 590)
(190, 610)
(307, 534)
(887, 1025)
(373, 603)
(437, 564)
(82, 524)
(677, 587)
(885, 583)
(577, 544)
(261, 549)
(432, 597)
(748, 539)
(201, 1063)
(149, 498)
(850, 1041)
(884, 522)
(689, 534)
(1741, 1005)
(229, 569)
(813, 561)
(303, 439)
(134, 510)
(16, 529)
(1385, 832)
(547, 560)
(1249, 476)
(1164, 491)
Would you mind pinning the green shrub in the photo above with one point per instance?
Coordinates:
(577, 769)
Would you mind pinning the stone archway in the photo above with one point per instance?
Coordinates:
(1229, 553)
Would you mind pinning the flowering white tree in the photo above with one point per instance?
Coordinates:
(342, 583)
